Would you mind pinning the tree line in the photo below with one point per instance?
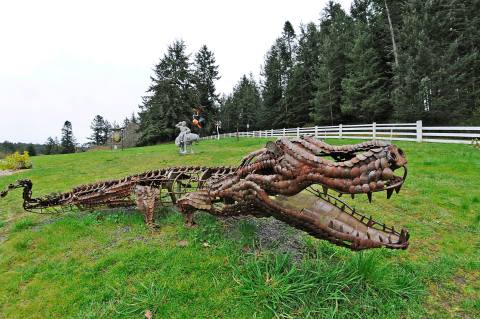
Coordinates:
(385, 61)
(7, 148)
(67, 144)
(101, 132)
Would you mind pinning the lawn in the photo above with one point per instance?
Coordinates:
(107, 264)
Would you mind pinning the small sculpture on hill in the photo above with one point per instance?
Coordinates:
(185, 139)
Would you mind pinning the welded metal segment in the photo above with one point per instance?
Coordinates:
(268, 182)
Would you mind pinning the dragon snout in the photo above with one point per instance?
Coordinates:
(25, 183)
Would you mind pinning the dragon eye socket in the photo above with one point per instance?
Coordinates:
(400, 151)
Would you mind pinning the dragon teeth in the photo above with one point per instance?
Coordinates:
(325, 190)
(398, 188)
(389, 193)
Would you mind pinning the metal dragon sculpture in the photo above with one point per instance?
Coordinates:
(266, 183)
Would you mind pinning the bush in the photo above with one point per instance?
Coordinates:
(16, 161)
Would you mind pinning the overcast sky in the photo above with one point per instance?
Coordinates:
(70, 60)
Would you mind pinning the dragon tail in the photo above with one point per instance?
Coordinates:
(30, 204)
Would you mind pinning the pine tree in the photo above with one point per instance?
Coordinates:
(126, 121)
(287, 47)
(335, 37)
(51, 146)
(241, 107)
(106, 129)
(228, 114)
(171, 96)
(31, 150)
(68, 140)
(205, 75)
(272, 92)
(438, 75)
(133, 118)
(98, 130)
(366, 85)
(302, 84)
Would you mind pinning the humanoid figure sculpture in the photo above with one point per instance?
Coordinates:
(185, 139)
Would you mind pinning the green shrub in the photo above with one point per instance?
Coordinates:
(16, 161)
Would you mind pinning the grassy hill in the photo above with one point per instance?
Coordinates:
(107, 264)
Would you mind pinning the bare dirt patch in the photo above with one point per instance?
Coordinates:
(8, 172)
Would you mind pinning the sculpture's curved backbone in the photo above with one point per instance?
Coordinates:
(268, 182)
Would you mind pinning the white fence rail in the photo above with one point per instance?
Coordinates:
(398, 132)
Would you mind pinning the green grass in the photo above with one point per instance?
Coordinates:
(107, 264)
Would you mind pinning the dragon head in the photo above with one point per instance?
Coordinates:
(364, 168)
(366, 172)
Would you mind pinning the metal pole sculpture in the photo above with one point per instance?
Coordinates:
(218, 125)
(266, 183)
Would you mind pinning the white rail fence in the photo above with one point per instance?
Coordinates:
(399, 132)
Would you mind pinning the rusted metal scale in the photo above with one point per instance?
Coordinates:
(268, 182)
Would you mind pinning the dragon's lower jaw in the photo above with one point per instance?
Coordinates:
(329, 218)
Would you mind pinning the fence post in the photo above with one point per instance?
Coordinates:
(283, 132)
(316, 131)
(340, 130)
(271, 131)
(374, 130)
(298, 132)
(419, 131)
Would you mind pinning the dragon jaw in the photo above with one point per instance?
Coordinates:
(345, 224)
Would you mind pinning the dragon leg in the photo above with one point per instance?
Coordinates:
(190, 202)
(145, 200)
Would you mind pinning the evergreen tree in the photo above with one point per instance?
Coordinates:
(366, 85)
(277, 73)
(105, 132)
(438, 75)
(8, 147)
(31, 150)
(302, 84)
(171, 96)
(98, 130)
(50, 146)
(133, 118)
(205, 75)
(126, 121)
(228, 114)
(287, 48)
(68, 140)
(335, 37)
(241, 107)
(57, 145)
(272, 92)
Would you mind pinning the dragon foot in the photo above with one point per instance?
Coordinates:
(191, 202)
